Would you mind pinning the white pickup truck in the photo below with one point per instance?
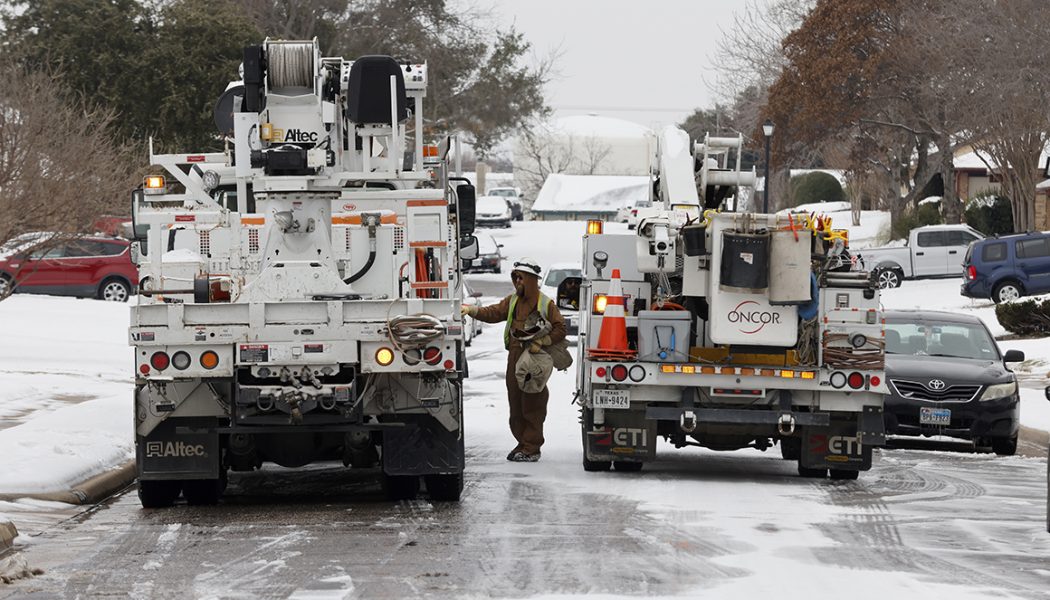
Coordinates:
(931, 251)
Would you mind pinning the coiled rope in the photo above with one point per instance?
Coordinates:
(291, 65)
(410, 332)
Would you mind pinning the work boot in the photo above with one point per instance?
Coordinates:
(523, 457)
(516, 450)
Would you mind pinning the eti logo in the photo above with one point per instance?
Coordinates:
(174, 450)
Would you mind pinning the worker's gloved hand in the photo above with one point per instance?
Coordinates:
(466, 309)
(544, 341)
(535, 347)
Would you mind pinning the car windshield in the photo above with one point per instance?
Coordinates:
(492, 204)
(934, 338)
(503, 192)
(556, 276)
(487, 245)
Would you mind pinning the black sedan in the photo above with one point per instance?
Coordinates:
(947, 377)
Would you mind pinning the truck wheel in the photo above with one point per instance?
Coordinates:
(811, 473)
(844, 474)
(400, 487)
(596, 465)
(1006, 291)
(203, 492)
(159, 493)
(888, 278)
(790, 448)
(626, 466)
(445, 488)
(1005, 446)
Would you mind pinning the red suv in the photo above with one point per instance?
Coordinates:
(86, 267)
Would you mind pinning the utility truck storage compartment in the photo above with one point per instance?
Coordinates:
(745, 262)
(663, 335)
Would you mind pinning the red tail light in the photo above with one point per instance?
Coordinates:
(971, 272)
(159, 361)
(432, 355)
(619, 372)
(856, 380)
(600, 372)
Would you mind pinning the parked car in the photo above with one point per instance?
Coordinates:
(471, 326)
(492, 211)
(514, 198)
(947, 377)
(549, 287)
(629, 214)
(1006, 268)
(490, 256)
(931, 251)
(85, 266)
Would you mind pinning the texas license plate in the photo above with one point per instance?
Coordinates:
(611, 399)
(935, 416)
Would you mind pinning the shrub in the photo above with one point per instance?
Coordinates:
(925, 214)
(990, 214)
(816, 187)
(1025, 317)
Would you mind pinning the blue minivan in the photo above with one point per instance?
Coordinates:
(1008, 267)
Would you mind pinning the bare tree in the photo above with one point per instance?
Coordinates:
(542, 150)
(59, 166)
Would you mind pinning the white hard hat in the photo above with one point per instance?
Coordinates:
(528, 265)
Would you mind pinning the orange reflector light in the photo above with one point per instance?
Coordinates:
(600, 302)
(747, 371)
(690, 369)
(809, 375)
(728, 371)
(384, 356)
(768, 373)
(707, 370)
(430, 150)
(594, 227)
(153, 182)
(209, 360)
(667, 368)
(787, 374)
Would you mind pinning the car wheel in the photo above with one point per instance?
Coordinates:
(1006, 291)
(1005, 446)
(888, 278)
(114, 290)
(5, 286)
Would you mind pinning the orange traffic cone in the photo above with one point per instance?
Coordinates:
(612, 339)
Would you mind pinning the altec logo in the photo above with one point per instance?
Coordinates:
(300, 135)
(174, 450)
(749, 317)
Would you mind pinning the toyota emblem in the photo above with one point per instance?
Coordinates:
(935, 384)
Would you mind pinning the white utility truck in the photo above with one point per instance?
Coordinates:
(300, 291)
(742, 329)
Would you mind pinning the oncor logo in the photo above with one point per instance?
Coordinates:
(752, 317)
(174, 450)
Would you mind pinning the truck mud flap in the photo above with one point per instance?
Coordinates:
(839, 446)
(422, 447)
(622, 436)
(193, 452)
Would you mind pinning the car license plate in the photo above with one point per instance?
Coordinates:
(611, 399)
(935, 416)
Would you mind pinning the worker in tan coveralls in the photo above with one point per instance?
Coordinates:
(527, 411)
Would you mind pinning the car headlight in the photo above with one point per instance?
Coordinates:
(999, 390)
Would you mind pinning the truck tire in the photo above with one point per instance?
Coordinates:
(627, 466)
(1005, 446)
(203, 492)
(844, 474)
(445, 488)
(400, 487)
(889, 277)
(811, 473)
(790, 448)
(596, 465)
(1006, 291)
(159, 493)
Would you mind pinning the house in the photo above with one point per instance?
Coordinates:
(583, 197)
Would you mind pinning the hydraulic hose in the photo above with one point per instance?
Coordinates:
(371, 253)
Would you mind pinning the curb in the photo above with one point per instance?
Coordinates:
(8, 533)
(87, 492)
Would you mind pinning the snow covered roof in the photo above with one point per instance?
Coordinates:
(1044, 185)
(601, 127)
(972, 160)
(590, 193)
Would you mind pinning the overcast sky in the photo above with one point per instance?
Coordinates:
(648, 62)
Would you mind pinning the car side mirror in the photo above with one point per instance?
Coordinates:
(466, 199)
(468, 248)
(569, 293)
(475, 294)
(1013, 356)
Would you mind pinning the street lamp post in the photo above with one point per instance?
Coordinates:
(767, 129)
